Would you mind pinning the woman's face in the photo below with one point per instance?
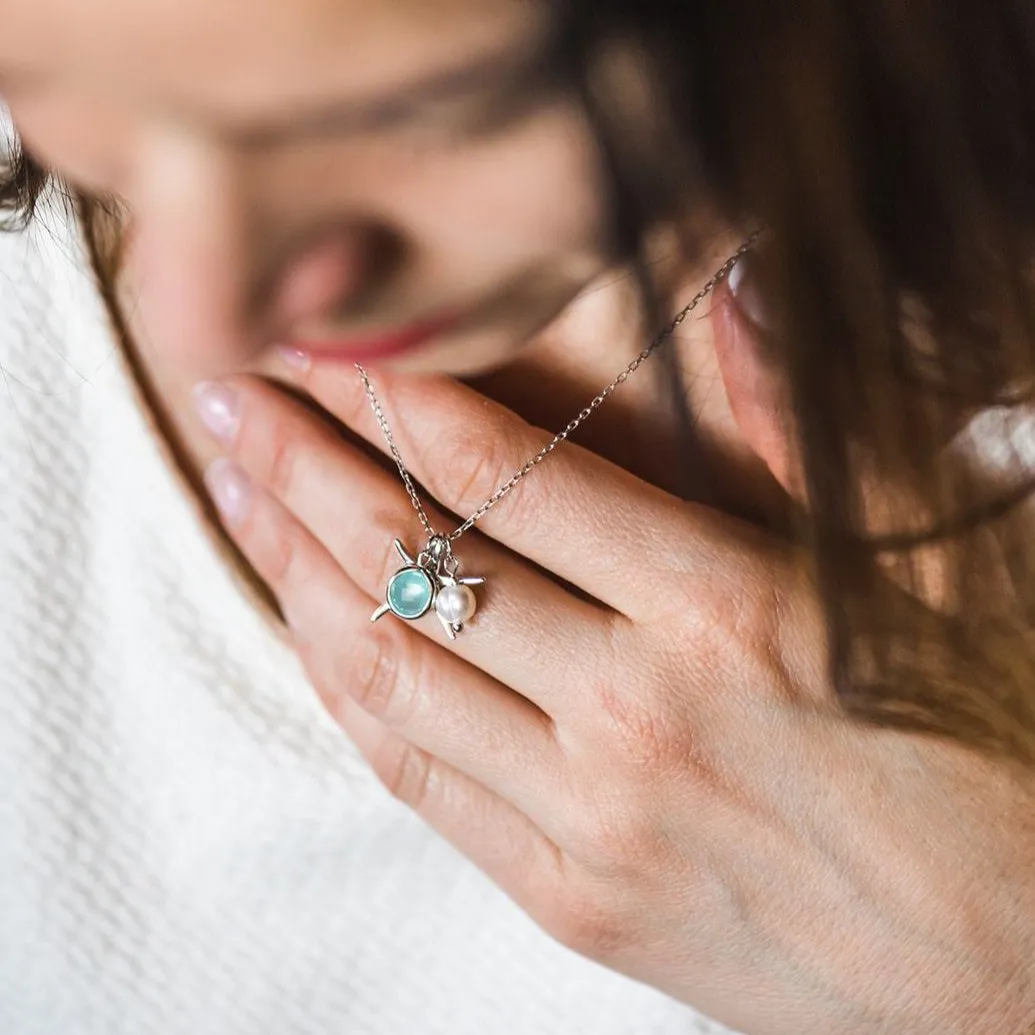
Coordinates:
(329, 173)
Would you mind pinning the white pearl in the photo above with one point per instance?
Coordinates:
(455, 604)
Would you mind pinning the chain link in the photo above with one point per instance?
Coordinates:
(584, 414)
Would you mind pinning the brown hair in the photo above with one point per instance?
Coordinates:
(21, 184)
(889, 150)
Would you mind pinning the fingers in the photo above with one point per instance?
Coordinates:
(413, 687)
(527, 627)
(574, 515)
(499, 839)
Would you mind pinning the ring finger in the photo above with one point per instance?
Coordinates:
(411, 685)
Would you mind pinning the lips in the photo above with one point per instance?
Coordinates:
(376, 345)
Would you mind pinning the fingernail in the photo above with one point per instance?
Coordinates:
(230, 489)
(219, 409)
(744, 289)
(293, 357)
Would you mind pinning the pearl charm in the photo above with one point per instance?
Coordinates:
(455, 604)
(430, 580)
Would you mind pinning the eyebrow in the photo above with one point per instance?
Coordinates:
(493, 75)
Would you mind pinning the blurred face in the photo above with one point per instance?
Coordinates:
(393, 181)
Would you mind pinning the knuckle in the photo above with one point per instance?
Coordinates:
(281, 462)
(282, 559)
(584, 921)
(740, 616)
(275, 548)
(616, 840)
(745, 631)
(341, 392)
(666, 747)
(471, 465)
(746, 606)
(384, 678)
(643, 730)
(656, 742)
(406, 771)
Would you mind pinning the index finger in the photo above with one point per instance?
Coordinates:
(576, 514)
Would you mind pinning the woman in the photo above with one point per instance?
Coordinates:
(746, 713)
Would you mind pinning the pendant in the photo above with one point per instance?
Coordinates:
(430, 580)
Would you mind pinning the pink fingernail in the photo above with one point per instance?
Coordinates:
(294, 358)
(219, 409)
(230, 489)
(745, 292)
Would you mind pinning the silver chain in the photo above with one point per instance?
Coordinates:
(719, 275)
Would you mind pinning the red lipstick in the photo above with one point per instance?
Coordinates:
(377, 345)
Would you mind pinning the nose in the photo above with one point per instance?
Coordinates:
(318, 279)
(193, 259)
(186, 254)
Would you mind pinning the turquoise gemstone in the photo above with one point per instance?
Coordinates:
(410, 593)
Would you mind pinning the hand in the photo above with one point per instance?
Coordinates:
(634, 737)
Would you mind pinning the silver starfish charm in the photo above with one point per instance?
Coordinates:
(430, 580)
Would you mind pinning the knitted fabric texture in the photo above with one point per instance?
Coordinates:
(188, 844)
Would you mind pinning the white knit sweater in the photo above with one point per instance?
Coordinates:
(187, 842)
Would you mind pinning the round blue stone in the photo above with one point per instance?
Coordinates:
(410, 593)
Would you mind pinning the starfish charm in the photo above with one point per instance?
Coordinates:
(430, 580)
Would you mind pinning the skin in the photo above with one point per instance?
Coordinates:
(235, 246)
(687, 804)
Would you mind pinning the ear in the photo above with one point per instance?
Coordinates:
(757, 393)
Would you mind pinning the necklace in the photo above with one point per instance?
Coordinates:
(431, 580)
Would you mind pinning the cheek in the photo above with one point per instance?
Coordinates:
(85, 143)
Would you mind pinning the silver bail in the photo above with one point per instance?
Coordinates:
(440, 554)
